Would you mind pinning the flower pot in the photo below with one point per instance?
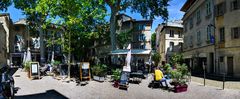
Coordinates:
(28, 74)
(116, 84)
(180, 88)
(98, 78)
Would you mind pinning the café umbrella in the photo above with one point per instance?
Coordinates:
(127, 66)
(24, 57)
(52, 59)
(28, 57)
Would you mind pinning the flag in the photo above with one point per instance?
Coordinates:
(212, 39)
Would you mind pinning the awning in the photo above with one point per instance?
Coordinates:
(133, 51)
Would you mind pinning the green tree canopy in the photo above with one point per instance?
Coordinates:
(149, 9)
(153, 41)
(4, 4)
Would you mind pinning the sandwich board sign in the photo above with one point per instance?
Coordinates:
(34, 70)
(84, 70)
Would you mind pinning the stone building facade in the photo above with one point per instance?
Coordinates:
(170, 40)
(227, 27)
(198, 21)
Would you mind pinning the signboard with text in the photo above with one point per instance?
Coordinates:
(34, 70)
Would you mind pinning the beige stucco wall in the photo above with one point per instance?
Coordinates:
(3, 58)
(231, 47)
(165, 40)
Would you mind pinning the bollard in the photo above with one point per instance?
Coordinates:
(223, 81)
(204, 77)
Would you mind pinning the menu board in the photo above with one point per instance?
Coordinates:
(84, 70)
(34, 70)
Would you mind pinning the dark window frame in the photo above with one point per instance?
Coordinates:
(222, 34)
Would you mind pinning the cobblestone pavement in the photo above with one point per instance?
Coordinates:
(49, 88)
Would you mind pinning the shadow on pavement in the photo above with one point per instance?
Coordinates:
(49, 94)
(217, 77)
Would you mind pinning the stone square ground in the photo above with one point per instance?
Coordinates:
(49, 88)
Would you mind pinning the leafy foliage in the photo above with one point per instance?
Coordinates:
(153, 40)
(116, 74)
(149, 9)
(156, 58)
(167, 68)
(124, 38)
(4, 4)
(176, 58)
(99, 70)
(180, 74)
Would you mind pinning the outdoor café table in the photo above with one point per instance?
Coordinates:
(136, 76)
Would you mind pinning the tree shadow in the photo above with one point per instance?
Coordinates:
(49, 94)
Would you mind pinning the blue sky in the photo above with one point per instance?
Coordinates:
(173, 9)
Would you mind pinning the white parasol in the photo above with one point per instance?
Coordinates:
(24, 57)
(28, 57)
(127, 66)
(52, 59)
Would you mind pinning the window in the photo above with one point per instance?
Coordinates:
(185, 27)
(191, 23)
(179, 34)
(220, 9)
(209, 33)
(235, 5)
(171, 33)
(171, 46)
(142, 46)
(198, 17)
(141, 37)
(221, 59)
(198, 37)
(141, 26)
(181, 46)
(190, 41)
(235, 32)
(222, 34)
(208, 8)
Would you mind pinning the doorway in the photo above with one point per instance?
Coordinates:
(230, 66)
(211, 63)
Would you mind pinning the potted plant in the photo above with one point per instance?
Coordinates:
(116, 77)
(54, 68)
(27, 68)
(99, 72)
(179, 76)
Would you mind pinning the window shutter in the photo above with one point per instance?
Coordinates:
(232, 33)
(216, 10)
(238, 4)
(238, 32)
(224, 8)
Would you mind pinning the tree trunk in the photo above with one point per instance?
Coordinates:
(113, 24)
(42, 48)
(69, 56)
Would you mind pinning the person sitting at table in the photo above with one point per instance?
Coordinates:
(158, 76)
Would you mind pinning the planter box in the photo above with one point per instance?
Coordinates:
(180, 88)
(98, 78)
